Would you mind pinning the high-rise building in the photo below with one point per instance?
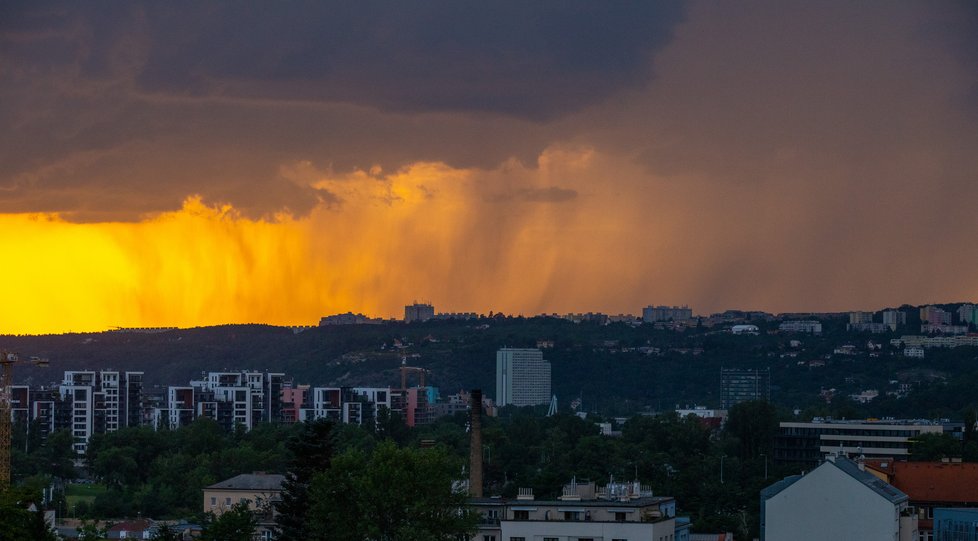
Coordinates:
(894, 319)
(522, 377)
(737, 385)
(97, 402)
(968, 313)
(934, 315)
(858, 318)
(652, 314)
(418, 312)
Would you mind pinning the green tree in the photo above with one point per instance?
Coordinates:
(236, 524)
(754, 424)
(21, 517)
(166, 532)
(90, 531)
(395, 494)
(312, 453)
(930, 447)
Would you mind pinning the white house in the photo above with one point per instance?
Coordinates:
(837, 501)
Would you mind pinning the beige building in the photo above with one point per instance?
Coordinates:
(260, 490)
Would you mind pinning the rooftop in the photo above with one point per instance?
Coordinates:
(251, 481)
(932, 481)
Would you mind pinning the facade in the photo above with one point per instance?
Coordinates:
(348, 318)
(614, 513)
(810, 443)
(968, 314)
(522, 377)
(737, 385)
(805, 326)
(838, 501)
(418, 312)
(261, 491)
(934, 315)
(94, 402)
(652, 314)
(857, 318)
(955, 525)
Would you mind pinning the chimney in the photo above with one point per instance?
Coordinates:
(475, 445)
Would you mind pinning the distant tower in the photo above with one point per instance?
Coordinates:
(418, 312)
(742, 385)
(522, 377)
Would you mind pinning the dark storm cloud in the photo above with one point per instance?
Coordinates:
(151, 102)
(530, 59)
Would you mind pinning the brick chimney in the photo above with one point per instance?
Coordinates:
(475, 445)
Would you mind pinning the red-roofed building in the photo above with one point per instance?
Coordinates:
(130, 529)
(950, 483)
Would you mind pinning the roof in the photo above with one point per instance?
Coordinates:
(852, 469)
(131, 526)
(876, 484)
(251, 481)
(637, 502)
(937, 481)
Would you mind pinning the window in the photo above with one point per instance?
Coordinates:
(521, 515)
(227, 501)
(620, 517)
(616, 539)
(517, 539)
(572, 515)
(488, 538)
(550, 539)
(213, 501)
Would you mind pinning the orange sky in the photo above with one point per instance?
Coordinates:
(255, 167)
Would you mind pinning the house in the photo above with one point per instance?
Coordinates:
(131, 529)
(837, 501)
(930, 485)
(259, 490)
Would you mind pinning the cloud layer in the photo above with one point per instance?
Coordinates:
(516, 157)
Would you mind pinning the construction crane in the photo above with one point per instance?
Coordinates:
(7, 362)
(405, 370)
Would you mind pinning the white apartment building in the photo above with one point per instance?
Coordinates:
(894, 318)
(597, 516)
(522, 377)
(98, 402)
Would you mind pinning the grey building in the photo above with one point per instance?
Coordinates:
(742, 385)
(522, 377)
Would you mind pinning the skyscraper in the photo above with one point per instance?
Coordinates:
(418, 312)
(522, 377)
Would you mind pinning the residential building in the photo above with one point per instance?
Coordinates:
(652, 314)
(742, 385)
(934, 315)
(935, 328)
(96, 402)
(261, 491)
(968, 314)
(522, 377)
(930, 485)
(348, 318)
(894, 319)
(857, 318)
(838, 500)
(804, 326)
(418, 312)
(811, 442)
(913, 352)
(584, 511)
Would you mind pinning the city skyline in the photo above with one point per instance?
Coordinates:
(276, 164)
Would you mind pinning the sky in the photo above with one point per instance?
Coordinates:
(201, 163)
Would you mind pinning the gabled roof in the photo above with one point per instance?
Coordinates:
(850, 468)
(251, 481)
(953, 482)
(876, 484)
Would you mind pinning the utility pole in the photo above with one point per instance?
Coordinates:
(7, 362)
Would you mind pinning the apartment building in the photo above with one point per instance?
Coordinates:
(617, 512)
(522, 377)
(811, 442)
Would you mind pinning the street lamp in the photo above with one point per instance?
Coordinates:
(721, 467)
(765, 465)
